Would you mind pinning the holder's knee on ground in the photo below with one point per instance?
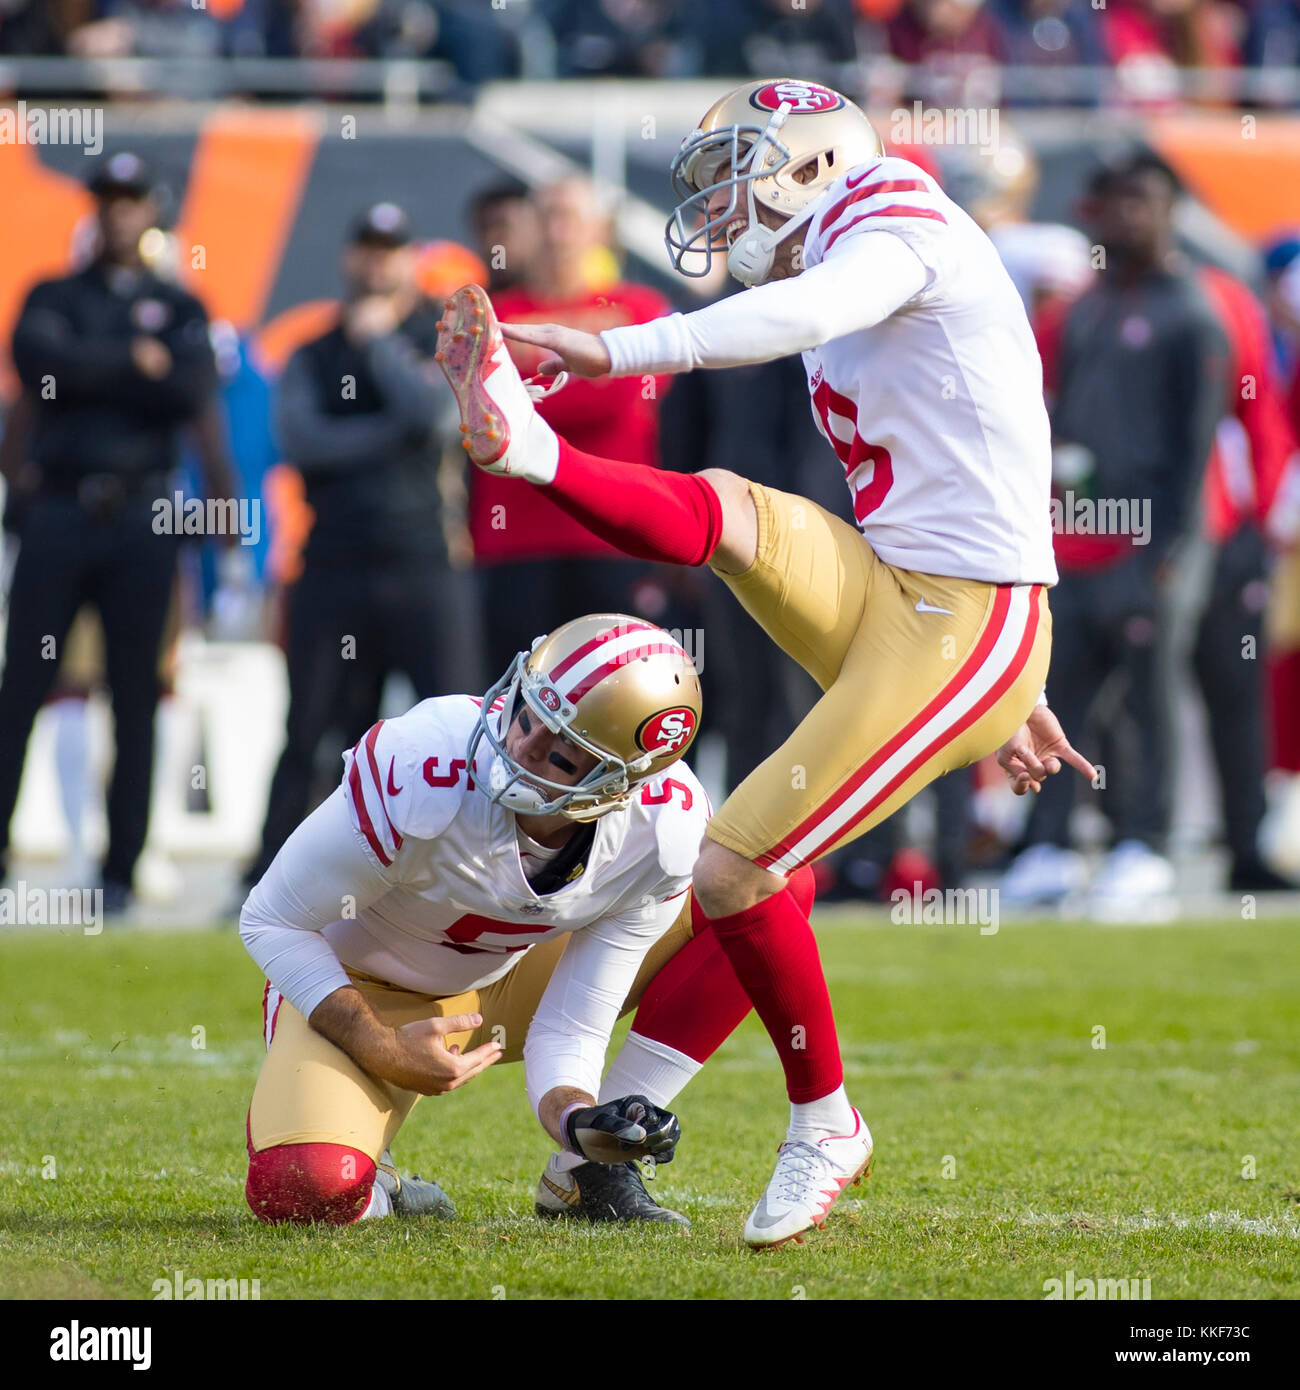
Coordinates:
(301, 1183)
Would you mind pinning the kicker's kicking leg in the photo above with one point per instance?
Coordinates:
(670, 518)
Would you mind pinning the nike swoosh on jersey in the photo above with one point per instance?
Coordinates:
(392, 790)
(853, 183)
(923, 607)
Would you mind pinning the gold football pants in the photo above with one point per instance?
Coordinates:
(921, 674)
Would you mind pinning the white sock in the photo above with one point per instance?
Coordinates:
(817, 1119)
(378, 1205)
(647, 1068)
(543, 461)
(565, 1161)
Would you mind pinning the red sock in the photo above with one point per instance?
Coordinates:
(675, 518)
(774, 954)
(1284, 697)
(695, 1003)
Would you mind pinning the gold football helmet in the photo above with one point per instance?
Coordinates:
(624, 690)
(783, 142)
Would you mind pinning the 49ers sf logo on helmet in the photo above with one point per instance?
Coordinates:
(667, 731)
(550, 697)
(805, 98)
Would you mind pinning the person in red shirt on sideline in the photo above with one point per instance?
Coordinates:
(1254, 448)
(1280, 837)
(540, 567)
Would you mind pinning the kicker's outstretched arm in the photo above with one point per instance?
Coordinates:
(865, 280)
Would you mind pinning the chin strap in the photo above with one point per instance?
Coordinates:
(750, 256)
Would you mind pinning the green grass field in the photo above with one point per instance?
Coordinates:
(1010, 1148)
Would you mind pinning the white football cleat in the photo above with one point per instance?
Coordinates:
(1043, 874)
(1279, 831)
(807, 1182)
(1133, 884)
(500, 430)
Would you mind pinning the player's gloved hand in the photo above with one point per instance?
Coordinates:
(623, 1129)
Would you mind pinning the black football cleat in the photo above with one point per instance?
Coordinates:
(1254, 876)
(600, 1192)
(413, 1196)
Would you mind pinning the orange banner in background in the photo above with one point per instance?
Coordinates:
(1246, 170)
(41, 210)
(243, 195)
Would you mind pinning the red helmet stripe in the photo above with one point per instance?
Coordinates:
(622, 659)
(591, 645)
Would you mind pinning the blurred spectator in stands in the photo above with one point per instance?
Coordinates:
(40, 27)
(477, 40)
(257, 28)
(149, 29)
(1272, 42)
(540, 567)
(765, 37)
(505, 232)
(1139, 392)
(1048, 34)
(1148, 40)
(621, 38)
(364, 414)
(956, 46)
(114, 361)
(390, 29)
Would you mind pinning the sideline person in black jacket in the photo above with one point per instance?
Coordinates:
(113, 361)
(364, 414)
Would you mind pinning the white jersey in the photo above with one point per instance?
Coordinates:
(924, 374)
(936, 413)
(460, 911)
(410, 874)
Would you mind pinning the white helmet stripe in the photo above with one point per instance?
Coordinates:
(613, 653)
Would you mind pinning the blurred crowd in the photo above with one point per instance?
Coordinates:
(955, 47)
(1172, 385)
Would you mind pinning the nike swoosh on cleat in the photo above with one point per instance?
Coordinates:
(570, 1198)
(766, 1221)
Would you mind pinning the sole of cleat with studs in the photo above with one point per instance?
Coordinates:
(462, 346)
